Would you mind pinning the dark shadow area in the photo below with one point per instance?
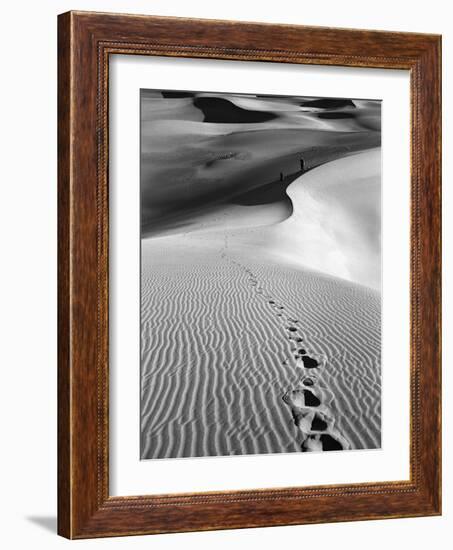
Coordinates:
(318, 424)
(169, 94)
(268, 193)
(48, 523)
(220, 110)
(336, 115)
(328, 103)
(330, 444)
(309, 362)
(310, 399)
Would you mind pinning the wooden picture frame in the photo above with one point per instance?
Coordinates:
(85, 42)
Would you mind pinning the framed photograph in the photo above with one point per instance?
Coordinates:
(249, 275)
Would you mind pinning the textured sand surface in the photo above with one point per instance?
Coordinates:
(252, 343)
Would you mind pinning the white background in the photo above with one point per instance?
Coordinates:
(28, 285)
(129, 476)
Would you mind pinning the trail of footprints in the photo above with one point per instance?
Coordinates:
(309, 400)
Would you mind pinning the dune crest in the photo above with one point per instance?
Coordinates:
(335, 224)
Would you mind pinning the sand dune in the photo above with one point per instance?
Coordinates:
(218, 357)
(199, 150)
(224, 322)
(334, 226)
(260, 329)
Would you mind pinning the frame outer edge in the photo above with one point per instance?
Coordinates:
(439, 167)
(438, 179)
(433, 151)
(64, 527)
(82, 509)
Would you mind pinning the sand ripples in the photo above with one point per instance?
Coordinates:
(218, 356)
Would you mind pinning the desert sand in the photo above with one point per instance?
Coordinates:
(261, 312)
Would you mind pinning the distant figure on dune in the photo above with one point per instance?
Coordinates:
(302, 165)
(281, 176)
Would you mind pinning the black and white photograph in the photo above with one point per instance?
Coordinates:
(260, 274)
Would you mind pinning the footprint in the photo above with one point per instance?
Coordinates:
(318, 424)
(312, 444)
(310, 399)
(303, 419)
(330, 444)
(301, 399)
(311, 412)
(309, 362)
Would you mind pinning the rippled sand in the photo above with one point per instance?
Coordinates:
(252, 343)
